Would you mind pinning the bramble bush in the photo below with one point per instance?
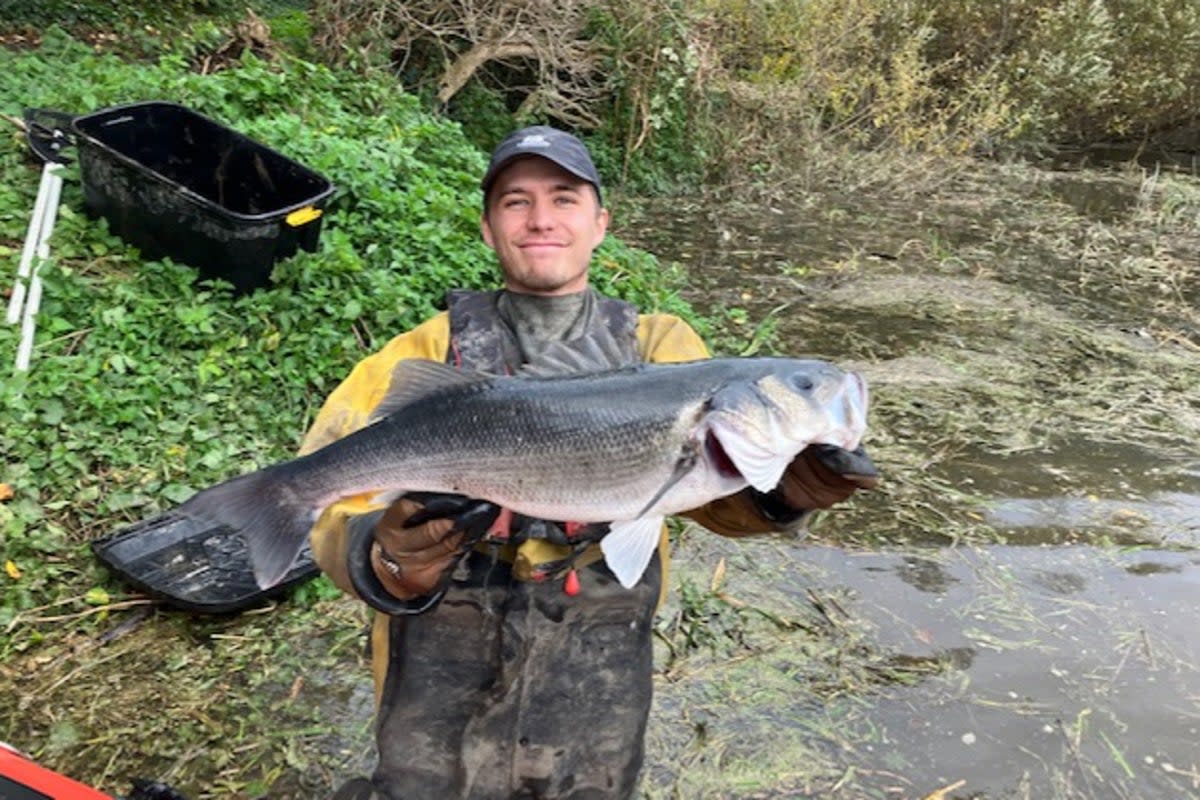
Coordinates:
(146, 385)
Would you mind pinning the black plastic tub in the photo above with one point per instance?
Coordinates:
(192, 566)
(178, 184)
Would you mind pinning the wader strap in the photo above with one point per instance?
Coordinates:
(480, 340)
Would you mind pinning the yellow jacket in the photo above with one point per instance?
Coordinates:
(662, 338)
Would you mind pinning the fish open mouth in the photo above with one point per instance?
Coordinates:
(719, 458)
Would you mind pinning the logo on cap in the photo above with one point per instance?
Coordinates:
(534, 140)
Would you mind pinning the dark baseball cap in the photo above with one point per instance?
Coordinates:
(550, 143)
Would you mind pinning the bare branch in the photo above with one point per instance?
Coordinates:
(504, 39)
(460, 71)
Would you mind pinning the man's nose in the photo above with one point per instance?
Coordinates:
(540, 215)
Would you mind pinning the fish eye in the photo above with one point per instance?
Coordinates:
(802, 382)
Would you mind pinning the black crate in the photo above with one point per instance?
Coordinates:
(176, 183)
(192, 566)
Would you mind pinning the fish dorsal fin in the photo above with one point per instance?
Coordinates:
(414, 378)
(596, 352)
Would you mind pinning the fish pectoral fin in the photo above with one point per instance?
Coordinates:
(762, 465)
(628, 547)
(414, 378)
(685, 464)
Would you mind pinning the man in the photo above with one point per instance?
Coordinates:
(532, 677)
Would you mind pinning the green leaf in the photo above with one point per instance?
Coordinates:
(97, 596)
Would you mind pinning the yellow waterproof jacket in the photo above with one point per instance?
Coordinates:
(662, 338)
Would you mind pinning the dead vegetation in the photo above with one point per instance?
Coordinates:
(534, 49)
(251, 34)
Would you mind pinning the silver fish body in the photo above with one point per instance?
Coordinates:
(626, 446)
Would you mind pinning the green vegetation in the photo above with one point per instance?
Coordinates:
(35, 14)
(145, 385)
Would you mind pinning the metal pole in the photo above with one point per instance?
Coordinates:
(32, 238)
(29, 317)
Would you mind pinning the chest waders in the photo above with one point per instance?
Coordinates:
(513, 688)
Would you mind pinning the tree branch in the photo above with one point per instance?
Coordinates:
(459, 72)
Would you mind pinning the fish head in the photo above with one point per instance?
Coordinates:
(758, 423)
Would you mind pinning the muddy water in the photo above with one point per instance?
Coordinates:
(1014, 614)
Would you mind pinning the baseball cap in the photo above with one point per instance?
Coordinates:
(558, 146)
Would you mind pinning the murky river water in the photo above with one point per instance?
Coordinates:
(1015, 614)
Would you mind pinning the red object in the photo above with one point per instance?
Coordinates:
(502, 528)
(17, 772)
(571, 584)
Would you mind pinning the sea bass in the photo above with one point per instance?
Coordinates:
(627, 446)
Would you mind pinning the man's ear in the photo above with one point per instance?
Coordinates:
(485, 228)
(602, 224)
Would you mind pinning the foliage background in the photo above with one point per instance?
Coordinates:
(146, 385)
(689, 92)
(707, 89)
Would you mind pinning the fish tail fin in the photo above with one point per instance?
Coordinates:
(265, 511)
(628, 547)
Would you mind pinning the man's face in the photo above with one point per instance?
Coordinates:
(543, 222)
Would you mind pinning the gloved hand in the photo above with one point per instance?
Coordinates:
(406, 552)
(419, 537)
(824, 474)
(819, 477)
(408, 557)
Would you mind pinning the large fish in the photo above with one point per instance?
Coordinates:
(627, 446)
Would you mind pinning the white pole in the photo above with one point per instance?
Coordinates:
(32, 237)
(29, 318)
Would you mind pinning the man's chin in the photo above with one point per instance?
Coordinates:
(546, 284)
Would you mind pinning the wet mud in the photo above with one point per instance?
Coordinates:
(1013, 614)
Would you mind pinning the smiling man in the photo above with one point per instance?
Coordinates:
(543, 219)
(531, 678)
